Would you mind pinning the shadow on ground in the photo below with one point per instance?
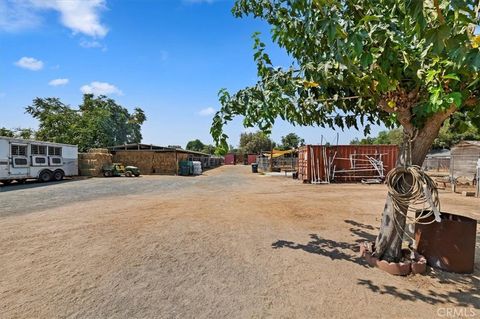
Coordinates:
(467, 296)
(31, 184)
(335, 249)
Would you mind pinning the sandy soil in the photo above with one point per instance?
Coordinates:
(229, 244)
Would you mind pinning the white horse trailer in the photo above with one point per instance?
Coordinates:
(27, 159)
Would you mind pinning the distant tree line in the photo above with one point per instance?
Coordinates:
(448, 136)
(251, 143)
(97, 122)
(199, 146)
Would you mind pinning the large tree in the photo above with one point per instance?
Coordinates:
(411, 63)
(291, 140)
(254, 143)
(98, 122)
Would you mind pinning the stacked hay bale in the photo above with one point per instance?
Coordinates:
(92, 162)
(151, 162)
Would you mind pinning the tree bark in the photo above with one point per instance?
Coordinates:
(388, 244)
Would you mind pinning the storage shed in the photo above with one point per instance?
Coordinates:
(464, 158)
(153, 159)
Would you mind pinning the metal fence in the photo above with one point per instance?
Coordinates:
(437, 164)
(279, 163)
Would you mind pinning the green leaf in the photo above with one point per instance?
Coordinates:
(455, 97)
(452, 76)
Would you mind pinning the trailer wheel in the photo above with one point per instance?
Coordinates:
(6, 182)
(107, 174)
(45, 176)
(21, 181)
(58, 175)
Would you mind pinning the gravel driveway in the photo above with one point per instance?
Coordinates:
(229, 244)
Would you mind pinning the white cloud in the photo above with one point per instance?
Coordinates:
(29, 63)
(80, 16)
(100, 88)
(90, 44)
(58, 82)
(17, 16)
(207, 111)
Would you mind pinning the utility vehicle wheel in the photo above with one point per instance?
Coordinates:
(107, 174)
(136, 175)
(6, 182)
(58, 175)
(128, 174)
(45, 176)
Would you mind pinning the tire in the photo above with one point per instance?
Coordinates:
(21, 181)
(107, 174)
(45, 176)
(7, 182)
(128, 174)
(58, 175)
(136, 175)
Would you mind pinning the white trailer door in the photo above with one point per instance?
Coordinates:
(19, 162)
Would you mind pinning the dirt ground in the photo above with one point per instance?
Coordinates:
(228, 244)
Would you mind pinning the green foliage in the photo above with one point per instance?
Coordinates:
(195, 145)
(290, 141)
(6, 132)
(198, 146)
(23, 133)
(394, 136)
(254, 143)
(98, 122)
(358, 62)
(450, 135)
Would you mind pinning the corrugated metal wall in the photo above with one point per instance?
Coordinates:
(251, 158)
(464, 157)
(343, 158)
(230, 159)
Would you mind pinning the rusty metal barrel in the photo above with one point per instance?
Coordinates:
(450, 244)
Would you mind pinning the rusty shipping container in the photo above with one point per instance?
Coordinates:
(230, 159)
(251, 158)
(345, 163)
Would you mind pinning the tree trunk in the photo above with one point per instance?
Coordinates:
(388, 244)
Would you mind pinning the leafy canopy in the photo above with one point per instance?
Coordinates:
(98, 122)
(448, 136)
(24, 133)
(199, 146)
(360, 62)
(291, 140)
(394, 136)
(255, 143)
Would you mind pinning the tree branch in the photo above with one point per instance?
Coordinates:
(439, 12)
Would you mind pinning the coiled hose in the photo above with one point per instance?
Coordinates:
(414, 191)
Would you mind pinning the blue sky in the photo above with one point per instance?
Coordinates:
(169, 57)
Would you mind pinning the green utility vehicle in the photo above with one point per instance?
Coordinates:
(117, 169)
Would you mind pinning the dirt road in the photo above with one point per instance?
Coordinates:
(229, 244)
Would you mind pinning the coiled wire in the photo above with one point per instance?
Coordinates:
(411, 190)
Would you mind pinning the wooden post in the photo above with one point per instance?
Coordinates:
(271, 159)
